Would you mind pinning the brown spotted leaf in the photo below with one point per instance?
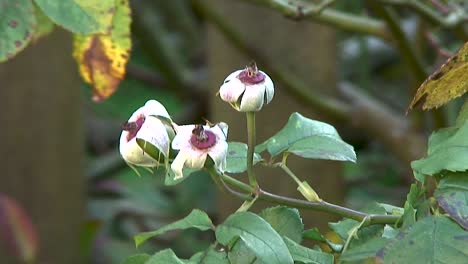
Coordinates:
(447, 83)
(16, 230)
(452, 195)
(102, 57)
(17, 22)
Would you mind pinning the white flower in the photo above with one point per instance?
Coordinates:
(146, 125)
(248, 89)
(195, 142)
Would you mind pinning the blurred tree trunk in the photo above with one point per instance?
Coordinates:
(309, 51)
(41, 154)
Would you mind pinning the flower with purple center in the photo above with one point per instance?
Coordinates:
(195, 143)
(145, 124)
(248, 89)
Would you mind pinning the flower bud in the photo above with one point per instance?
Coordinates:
(145, 124)
(248, 89)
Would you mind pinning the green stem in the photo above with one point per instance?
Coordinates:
(251, 148)
(370, 219)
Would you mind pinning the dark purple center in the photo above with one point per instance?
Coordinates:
(201, 138)
(133, 127)
(251, 75)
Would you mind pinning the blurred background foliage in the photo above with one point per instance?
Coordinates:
(169, 63)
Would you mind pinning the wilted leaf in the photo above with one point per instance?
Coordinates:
(16, 230)
(196, 219)
(80, 16)
(17, 22)
(257, 235)
(432, 240)
(452, 195)
(102, 57)
(447, 83)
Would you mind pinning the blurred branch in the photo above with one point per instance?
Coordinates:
(296, 87)
(337, 19)
(360, 110)
(453, 19)
(150, 30)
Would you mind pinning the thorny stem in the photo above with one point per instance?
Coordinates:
(251, 149)
(367, 219)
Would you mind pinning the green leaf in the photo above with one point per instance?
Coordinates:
(80, 16)
(166, 256)
(44, 25)
(237, 157)
(137, 259)
(257, 234)
(170, 180)
(448, 150)
(463, 114)
(286, 221)
(452, 195)
(17, 23)
(151, 150)
(240, 253)
(432, 240)
(366, 250)
(307, 255)
(314, 234)
(310, 139)
(210, 256)
(196, 219)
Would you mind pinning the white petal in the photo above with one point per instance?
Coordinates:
(133, 154)
(153, 107)
(182, 137)
(220, 130)
(154, 132)
(195, 158)
(231, 90)
(252, 100)
(178, 164)
(218, 153)
(269, 88)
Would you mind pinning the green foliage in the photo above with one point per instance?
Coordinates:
(210, 256)
(448, 150)
(308, 138)
(307, 255)
(166, 256)
(452, 196)
(196, 219)
(137, 259)
(286, 221)
(17, 26)
(237, 157)
(80, 16)
(257, 235)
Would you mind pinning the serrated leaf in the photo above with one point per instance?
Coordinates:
(434, 239)
(196, 219)
(448, 150)
(102, 58)
(80, 16)
(166, 256)
(237, 157)
(452, 195)
(258, 236)
(17, 23)
(286, 221)
(137, 259)
(307, 255)
(310, 139)
(17, 230)
(447, 83)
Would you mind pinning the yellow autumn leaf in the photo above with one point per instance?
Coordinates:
(102, 58)
(447, 83)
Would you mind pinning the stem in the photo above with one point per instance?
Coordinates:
(251, 148)
(370, 219)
